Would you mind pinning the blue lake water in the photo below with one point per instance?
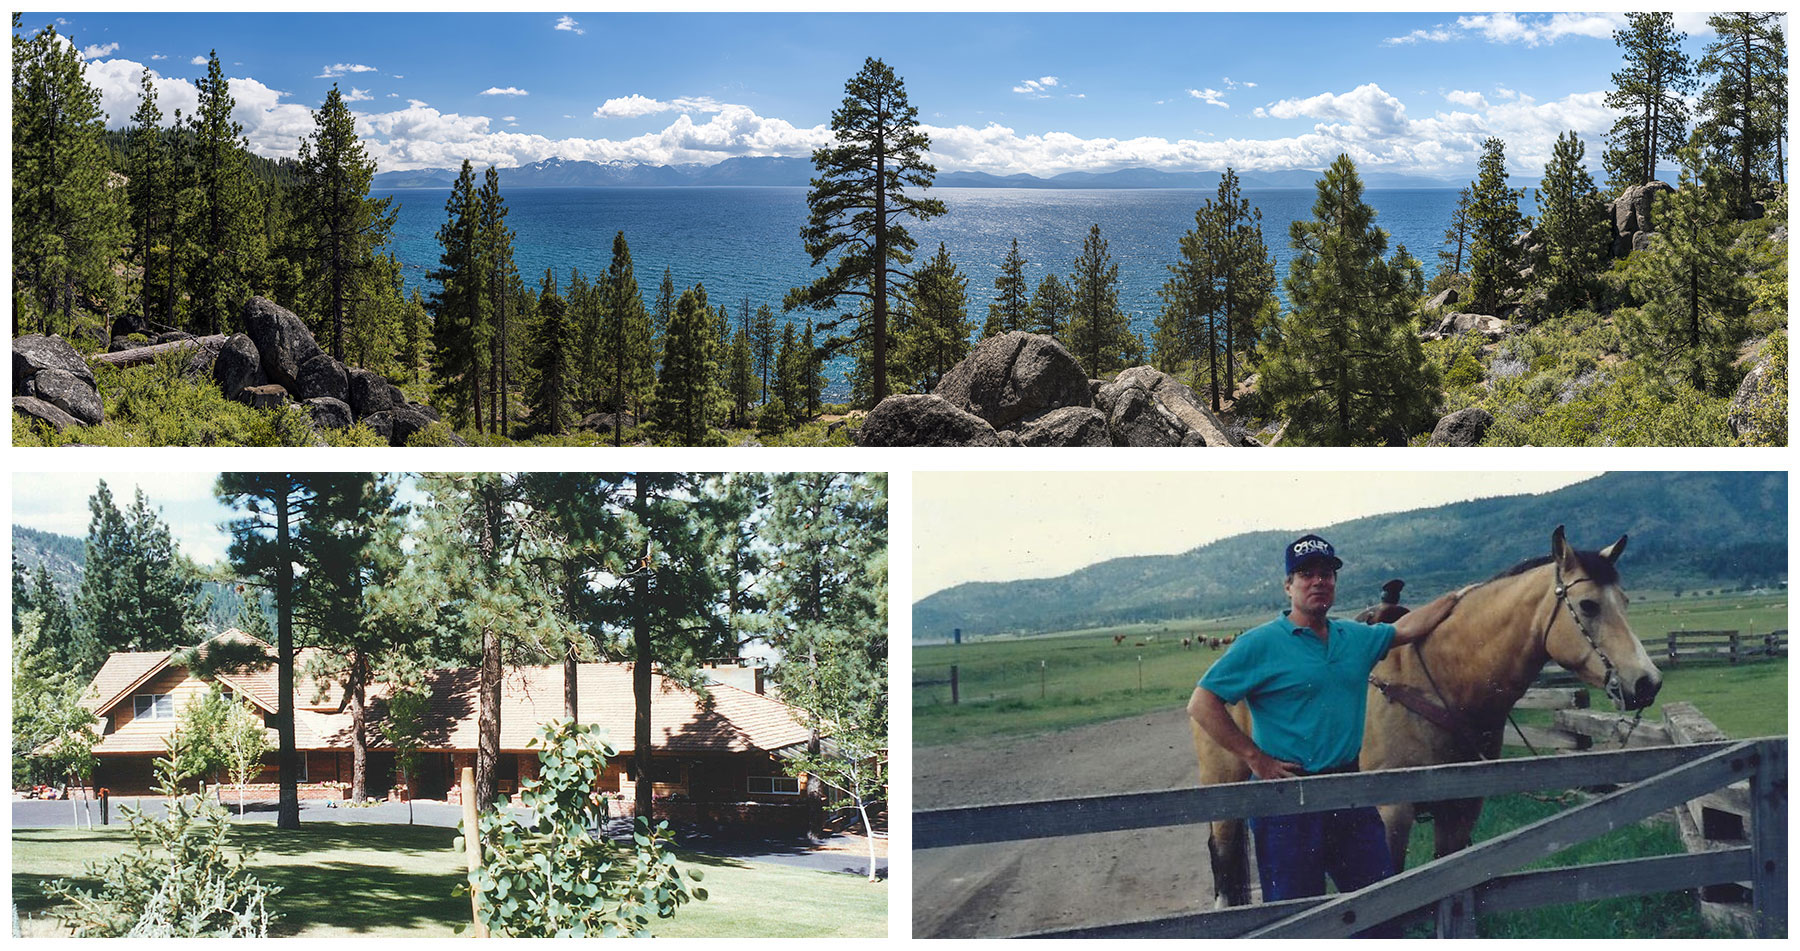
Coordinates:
(745, 241)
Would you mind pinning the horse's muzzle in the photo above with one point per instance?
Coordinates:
(1642, 693)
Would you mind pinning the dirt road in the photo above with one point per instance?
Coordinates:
(1003, 890)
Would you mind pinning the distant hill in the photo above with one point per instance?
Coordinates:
(1686, 529)
(66, 557)
(798, 172)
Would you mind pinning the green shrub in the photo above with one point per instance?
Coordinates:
(180, 879)
(554, 876)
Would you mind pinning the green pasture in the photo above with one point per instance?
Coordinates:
(1025, 685)
(358, 880)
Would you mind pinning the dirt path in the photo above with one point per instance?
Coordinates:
(993, 891)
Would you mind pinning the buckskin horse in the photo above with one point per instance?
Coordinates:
(1446, 698)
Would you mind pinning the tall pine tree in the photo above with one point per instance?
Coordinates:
(686, 390)
(934, 332)
(460, 329)
(1099, 332)
(151, 172)
(1011, 307)
(1743, 108)
(340, 227)
(1574, 228)
(1648, 91)
(630, 374)
(1496, 257)
(228, 213)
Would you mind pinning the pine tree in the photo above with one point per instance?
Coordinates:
(1574, 228)
(933, 332)
(415, 339)
(765, 337)
(1346, 366)
(151, 173)
(68, 222)
(1456, 236)
(227, 217)
(340, 226)
(494, 240)
(460, 330)
(662, 312)
(1495, 255)
(1741, 109)
(786, 404)
(1216, 291)
(743, 378)
(1649, 90)
(1050, 309)
(812, 372)
(1011, 306)
(1099, 333)
(137, 591)
(550, 365)
(1690, 284)
(685, 390)
(630, 374)
(856, 206)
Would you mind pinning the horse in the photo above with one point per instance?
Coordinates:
(1445, 699)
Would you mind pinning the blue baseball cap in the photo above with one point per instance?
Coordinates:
(1310, 548)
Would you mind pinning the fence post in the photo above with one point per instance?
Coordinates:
(1768, 839)
(1672, 651)
(1734, 647)
(472, 842)
(1456, 915)
(953, 685)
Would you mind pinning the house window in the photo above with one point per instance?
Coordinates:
(153, 706)
(775, 785)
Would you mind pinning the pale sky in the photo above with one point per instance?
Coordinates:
(1004, 526)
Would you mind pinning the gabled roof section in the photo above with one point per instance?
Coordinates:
(122, 673)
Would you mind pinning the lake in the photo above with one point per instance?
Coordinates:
(745, 241)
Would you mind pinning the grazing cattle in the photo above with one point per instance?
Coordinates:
(1118, 639)
(1187, 643)
(1445, 699)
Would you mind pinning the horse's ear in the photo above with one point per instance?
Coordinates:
(1612, 552)
(1559, 548)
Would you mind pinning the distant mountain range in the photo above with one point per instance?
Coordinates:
(1688, 529)
(564, 173)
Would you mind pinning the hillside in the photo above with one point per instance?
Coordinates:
(67, 558)
(1686, 529)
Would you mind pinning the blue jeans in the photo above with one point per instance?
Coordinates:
(1295, 853)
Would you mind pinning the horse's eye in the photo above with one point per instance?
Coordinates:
(1590, 608)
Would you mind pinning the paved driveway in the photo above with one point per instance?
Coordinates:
(51, 813)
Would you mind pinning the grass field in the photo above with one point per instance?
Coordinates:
(1017, 686)
(342, 880)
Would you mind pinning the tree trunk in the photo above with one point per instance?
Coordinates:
(359, 745)
(287, 815)
(640, 671)
(878, 279)
(487, 752)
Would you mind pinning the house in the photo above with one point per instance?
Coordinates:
(714, 759)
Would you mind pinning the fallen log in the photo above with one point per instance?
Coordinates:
(139, 355)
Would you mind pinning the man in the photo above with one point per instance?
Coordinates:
(1305, 678)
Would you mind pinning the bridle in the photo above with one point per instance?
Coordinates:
(1613, 685)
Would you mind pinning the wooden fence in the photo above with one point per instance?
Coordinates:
(1688, 647)
(1452, 890)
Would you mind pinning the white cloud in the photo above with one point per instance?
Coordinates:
(358, 95)
(568, 23)
(1368, 108)
(198, 61)
(339, 69)
(1531, 29)
(1209, 96)
(1473, 100)
(1036, 88)
(1501, 92)
(96, 51)
(634, 106)
(1436, 34)
(157, 56)
(508, 91)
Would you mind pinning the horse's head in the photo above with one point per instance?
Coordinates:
(1589, 633)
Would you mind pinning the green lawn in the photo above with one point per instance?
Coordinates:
(364, 880)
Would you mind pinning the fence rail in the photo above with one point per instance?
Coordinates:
(1454, 887)
(1686, 647)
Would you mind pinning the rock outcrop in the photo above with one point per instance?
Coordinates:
(48, 370)
(1755, 405)
(1020, 389)
(1489, 327)
(1633, 216)
(1465, 427)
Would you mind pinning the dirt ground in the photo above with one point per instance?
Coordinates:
(1011, 889)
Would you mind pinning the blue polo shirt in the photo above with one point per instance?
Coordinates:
(1307, 698)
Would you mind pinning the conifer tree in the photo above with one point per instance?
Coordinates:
(1649, 91)
(500, 274)
(662, 312)
(1456, 235)
(1742, 110)
(630, 373)
(765, 337)
(460, 329)
(685, 391)
(340, 227)
(1690, 284)
(1495, 255)
(857, 204)
(415, 340)
(68, 223)
(1099, 333)
(151, 172)
(812, 372)
(786, 404)
(1217, 290)
(550, 365)
(137, 591)
(1011, 306)
(1345, 365)
(1050, 309)
(1574, 228)
(228, 221)
(933, 335)
(743, 378)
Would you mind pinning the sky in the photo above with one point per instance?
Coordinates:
(1040, 93)
(1004, 526)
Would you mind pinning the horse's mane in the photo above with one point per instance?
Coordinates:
(1597, 567)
